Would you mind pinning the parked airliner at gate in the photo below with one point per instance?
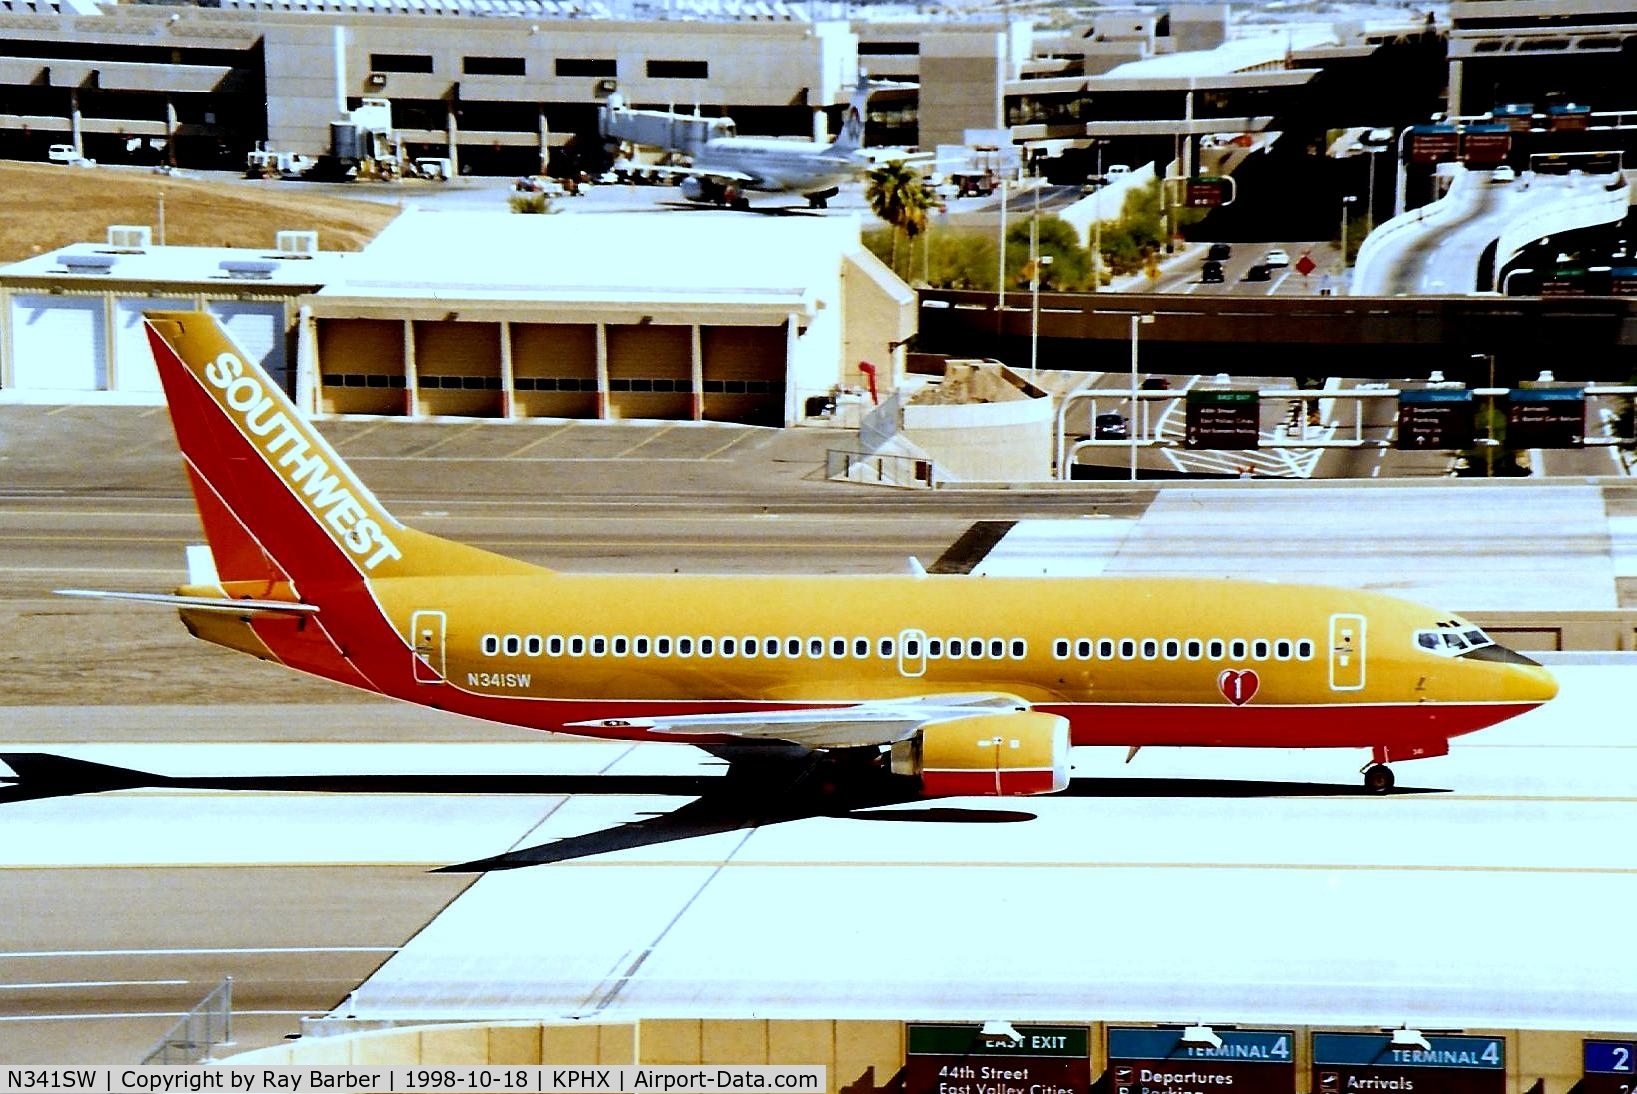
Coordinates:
(970, 685)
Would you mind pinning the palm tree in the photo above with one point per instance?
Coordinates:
(896, 196)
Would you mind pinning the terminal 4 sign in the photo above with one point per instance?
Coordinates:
(1546, 417)
(1145, 1060)
(1434, 418)
(962, 1059)
(1351, 1063)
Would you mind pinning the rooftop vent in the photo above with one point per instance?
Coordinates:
(249, 269)
(87, 264)
(129, 238)
(296, 244)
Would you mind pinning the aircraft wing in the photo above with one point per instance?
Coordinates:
(878, 722)
(878, 156)
(704, 173)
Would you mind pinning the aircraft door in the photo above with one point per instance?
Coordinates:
(1347, 652)
(912, 653)
(427, 629)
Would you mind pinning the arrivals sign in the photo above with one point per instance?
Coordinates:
(962, 1059)
(1545, 417)
(1347, 1063)
(1434, 418)
(1223, 419)
(1145, 1060)
(1608, 1067)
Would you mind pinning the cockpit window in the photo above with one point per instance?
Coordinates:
(1452, 641)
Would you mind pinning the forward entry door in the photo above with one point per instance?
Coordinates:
(1346, 652)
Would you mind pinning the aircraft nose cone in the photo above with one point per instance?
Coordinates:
(1534, 684)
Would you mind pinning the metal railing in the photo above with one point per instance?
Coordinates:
(208, 1024)
(878, 469)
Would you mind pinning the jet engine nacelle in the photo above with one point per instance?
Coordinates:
(1024, 752)
(693, 189)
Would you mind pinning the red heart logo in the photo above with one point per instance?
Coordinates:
(1238, 685)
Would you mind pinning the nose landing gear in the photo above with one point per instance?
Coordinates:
(1378, 778)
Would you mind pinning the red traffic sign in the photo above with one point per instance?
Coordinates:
(1305, 264)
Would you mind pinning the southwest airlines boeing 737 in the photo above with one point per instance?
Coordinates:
(970, 685)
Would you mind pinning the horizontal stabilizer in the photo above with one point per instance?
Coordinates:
(200, 603)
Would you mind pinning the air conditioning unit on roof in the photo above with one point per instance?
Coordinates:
(130, 237)
(296, 244)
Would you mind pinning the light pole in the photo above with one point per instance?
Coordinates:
(1034, 318)
(1000, 275)
(1345, 202)
(1131, 426)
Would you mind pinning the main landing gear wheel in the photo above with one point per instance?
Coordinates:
(1378, 778)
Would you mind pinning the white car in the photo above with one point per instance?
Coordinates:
(1503, 174)
(1276, 259)
(62, 153)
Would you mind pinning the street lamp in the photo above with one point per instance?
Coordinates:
(1345, 202)
(1131, 426)
(1034, 318)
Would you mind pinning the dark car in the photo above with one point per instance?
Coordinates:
(1211, 272)
(1109, 427)
(1219, 251)
(1259, 272)
(1156, 383)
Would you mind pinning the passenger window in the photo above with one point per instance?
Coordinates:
(662, 645)
(639, 645)
(707, 647)
(1236, 649)
(838, 646)
(997, 648)
(792, 647)
(576, 645)
(1304, 649)
(1128, 648)
(861, 647)
(974, 647)
(934, 647)
(1281, 649)
(729, 647)
(1082, 649)
(622, 645)
(1020, 648)
(1193, 649)
(885, 648)
(748, 646)
(770, 646)
(531, 645)
(1150, 649)
(491, 645)
(684, 646)
(1060, 648)
(955, 649)
(554, 645)
(513, 645)
(815, 647)
(1214, 649)
(1173, 649)
(1105, 649)
(1259, 649)
(912, 648)
(599, 645)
